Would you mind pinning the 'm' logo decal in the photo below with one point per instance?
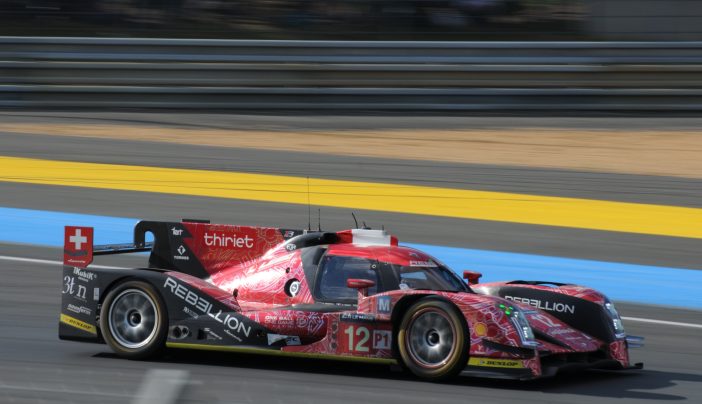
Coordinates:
(384, 304)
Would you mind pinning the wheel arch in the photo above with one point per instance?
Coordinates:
(126, 278)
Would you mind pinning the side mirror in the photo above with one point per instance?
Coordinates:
(472, 277)
(361, 284)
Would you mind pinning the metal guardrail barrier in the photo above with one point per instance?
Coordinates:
(240, 74)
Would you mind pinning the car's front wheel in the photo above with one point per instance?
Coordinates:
(433, 339)
(133, 320)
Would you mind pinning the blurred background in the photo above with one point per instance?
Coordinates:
(294, 19)
(357, 19)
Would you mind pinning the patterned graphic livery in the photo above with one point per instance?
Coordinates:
(260, 289)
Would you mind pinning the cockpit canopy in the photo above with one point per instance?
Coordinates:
(389, 267)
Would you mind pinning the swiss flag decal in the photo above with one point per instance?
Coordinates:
(78, 246)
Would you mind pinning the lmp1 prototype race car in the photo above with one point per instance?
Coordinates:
(348, 295)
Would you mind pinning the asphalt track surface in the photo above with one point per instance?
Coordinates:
(35, 366)
(544, 240)
(360, 121)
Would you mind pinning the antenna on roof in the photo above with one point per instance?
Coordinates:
(309, 206)
(365, 227)
(354, 219)
(319, 219)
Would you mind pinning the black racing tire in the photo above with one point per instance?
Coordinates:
(433, 340)
(134, 320)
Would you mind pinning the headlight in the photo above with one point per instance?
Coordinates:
(613, 314)
(520, 322)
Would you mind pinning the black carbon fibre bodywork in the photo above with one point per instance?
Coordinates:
(586, 316)
(204, 318)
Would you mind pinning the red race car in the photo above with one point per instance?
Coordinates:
(348, 295)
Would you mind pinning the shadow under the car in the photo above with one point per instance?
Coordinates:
(636, 384)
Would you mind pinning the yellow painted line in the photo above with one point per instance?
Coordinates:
(421, 200)
(81, 325)
(275, 352)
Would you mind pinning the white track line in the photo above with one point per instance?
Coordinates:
(161, 386)
(675, 323)
(49, 262)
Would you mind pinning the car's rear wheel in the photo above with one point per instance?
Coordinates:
(133, 320)
(433, 339)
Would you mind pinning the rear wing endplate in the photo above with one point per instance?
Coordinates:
(78, 248)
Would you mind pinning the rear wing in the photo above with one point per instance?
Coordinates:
(200, 248)
(78, 248)
(194, 247)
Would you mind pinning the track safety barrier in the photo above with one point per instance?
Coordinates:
(349, 75)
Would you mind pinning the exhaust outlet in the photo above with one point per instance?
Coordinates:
(180, 332)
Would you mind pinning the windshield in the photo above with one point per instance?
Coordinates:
(431, 277)
(336, 270)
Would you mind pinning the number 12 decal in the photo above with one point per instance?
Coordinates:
(381, 338)
(362, 332)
